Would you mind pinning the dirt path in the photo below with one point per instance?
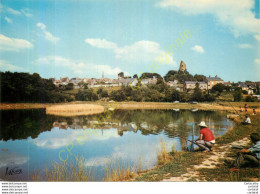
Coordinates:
(209, 162)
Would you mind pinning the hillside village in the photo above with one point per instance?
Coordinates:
(188, 85)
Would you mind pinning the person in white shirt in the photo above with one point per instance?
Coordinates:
(247, 121)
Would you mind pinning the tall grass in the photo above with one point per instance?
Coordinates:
(74, 109)
(117, 170)
(162, 156)
(75, 171)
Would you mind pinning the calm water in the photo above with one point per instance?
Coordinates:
(30, 140)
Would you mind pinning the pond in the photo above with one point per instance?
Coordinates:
(31, 141)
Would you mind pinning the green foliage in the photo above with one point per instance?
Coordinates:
(251, 99)
(102, 93)
(150, 75)
(218, 88)
(197, 94)
(180, 76)
(200, 78)
(25, 87)
(87, 95)
(118, 95)
(237, 96)
(70, 86)
(244, 92)
(121, 74)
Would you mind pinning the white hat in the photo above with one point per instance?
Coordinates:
(202, 124)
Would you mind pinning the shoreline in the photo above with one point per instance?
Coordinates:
(215, 106)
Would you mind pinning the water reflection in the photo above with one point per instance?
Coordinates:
(36, 138)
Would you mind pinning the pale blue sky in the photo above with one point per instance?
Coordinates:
(82, 38)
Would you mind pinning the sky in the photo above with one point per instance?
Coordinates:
(83, 38)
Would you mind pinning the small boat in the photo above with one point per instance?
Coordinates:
(194, 110)
(176, 109)
(111, 109)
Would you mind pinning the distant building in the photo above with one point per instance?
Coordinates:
(173, 83)
(249, 87)
(127, 82)
(190, 85)
(227, 83)
(147, 81)
(212, 81)
(182, 67)
(64, 79)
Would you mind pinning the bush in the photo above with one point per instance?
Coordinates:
(237, 96)
(250, 99)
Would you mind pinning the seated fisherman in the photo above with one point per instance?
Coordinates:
(206, 140)
(247, 120)
(249, 157)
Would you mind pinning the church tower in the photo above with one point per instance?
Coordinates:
(182, 67)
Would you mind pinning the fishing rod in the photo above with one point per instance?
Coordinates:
(187, 140)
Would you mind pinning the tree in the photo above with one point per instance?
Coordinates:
(197, 94)
(237, 96)
(170, 76)
(150, 75)
(219, 87)
(69, 86)
(200, 78)
(117, 95)
(121, 74)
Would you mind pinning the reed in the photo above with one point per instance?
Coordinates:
(74, 109)
(117, 170)
(75, 171)
(163, 156)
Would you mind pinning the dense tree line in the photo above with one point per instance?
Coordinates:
(25, 87)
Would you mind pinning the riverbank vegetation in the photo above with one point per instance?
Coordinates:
(25, 87)
(75, 171)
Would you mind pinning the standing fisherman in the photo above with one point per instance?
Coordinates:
(206, 140)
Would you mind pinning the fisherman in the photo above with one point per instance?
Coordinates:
(206, 139)
(248, 157)
(247, 120)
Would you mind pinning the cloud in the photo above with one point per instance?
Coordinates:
(257, 37)
(77, 67)
(8, 20)
(13, 44)
(140, 51)
(101, 43)
(198, 48)
(245, 46)
(237, 17)
(13, 11)
(7, 159)
(9, 10)
(61, 138)
(47, 35)
(6, 66)
(257, 62)
(25, 12)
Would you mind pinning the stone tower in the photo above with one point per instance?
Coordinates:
(182, 66)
